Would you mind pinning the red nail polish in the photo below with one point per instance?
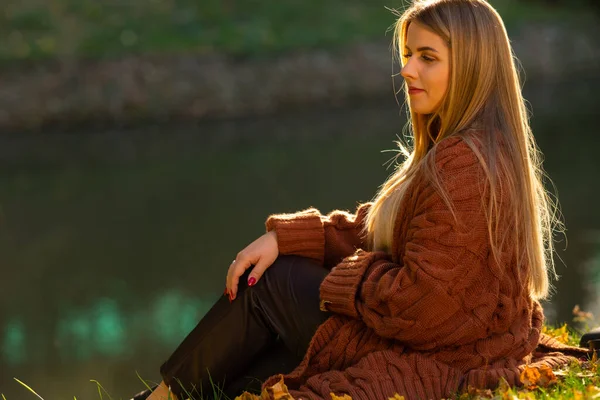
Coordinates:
(251, 281)
(225, 292)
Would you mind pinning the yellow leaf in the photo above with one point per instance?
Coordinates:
(278, 391)
(592, 392)
(396, 397)
(547, 376)
(529, 377)
(343, 397)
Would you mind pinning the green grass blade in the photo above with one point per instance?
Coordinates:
(143, 381)
(182, 387)
(30, 389)
(100, 386)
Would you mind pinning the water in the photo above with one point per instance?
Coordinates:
(113, 244)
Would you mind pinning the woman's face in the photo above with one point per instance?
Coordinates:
(426, 68)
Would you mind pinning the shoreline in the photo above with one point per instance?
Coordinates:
(168, 88)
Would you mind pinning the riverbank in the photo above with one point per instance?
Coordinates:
(135, 89)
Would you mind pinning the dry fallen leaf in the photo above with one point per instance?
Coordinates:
(534, 377)
(396, 397)
(529, 377)
(561, 334)
(547, 376)
(343, 397)
(278, 391)
(592, 392)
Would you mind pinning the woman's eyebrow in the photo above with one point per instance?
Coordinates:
(423, 48)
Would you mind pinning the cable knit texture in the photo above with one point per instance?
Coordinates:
(429, 319)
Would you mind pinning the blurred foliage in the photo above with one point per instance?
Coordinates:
(35, 29)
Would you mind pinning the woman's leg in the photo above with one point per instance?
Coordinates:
(231, 338)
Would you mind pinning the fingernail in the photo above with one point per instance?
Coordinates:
(225, 292)
(251, 281)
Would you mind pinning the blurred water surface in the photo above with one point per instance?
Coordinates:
(113, 244)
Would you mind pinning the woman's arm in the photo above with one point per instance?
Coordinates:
(325, 238)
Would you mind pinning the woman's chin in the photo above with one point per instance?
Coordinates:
(420, 110)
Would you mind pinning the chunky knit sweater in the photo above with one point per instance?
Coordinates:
(430, 318)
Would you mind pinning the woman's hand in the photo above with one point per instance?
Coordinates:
(261, 253)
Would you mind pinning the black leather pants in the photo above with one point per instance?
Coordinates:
(264, 331)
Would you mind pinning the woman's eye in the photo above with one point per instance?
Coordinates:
(406, 55)
(428, 59)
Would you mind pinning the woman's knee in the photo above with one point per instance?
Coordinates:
(288, 267)
(290, 277)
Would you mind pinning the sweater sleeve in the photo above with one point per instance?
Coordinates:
(325, 238)
(441, 291)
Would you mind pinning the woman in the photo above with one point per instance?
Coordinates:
(432, 287)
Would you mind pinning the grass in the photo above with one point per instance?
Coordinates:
(83, 29)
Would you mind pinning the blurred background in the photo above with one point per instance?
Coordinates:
(143, 144)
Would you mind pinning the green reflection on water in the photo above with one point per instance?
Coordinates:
(73, 336)
(13, 346)
(109, 330)
(174, 316)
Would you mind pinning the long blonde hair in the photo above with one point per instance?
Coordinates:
(483, 94)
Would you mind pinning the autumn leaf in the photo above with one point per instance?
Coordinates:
(278, 391)
(529, 377)
(396, 397)
(547, 376)
(534, 377)
(343, 397)
(561, 334)
(592, 392)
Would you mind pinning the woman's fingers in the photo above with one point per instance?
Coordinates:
(261, 253)
(258, 271)
(239, 266)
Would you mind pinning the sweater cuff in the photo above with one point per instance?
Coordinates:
(300, 234)
(339, 290)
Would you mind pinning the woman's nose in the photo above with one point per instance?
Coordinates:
(408, 71)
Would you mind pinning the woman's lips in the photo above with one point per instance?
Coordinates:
(415, 91)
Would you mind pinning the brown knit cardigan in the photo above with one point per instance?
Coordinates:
(431, 318)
